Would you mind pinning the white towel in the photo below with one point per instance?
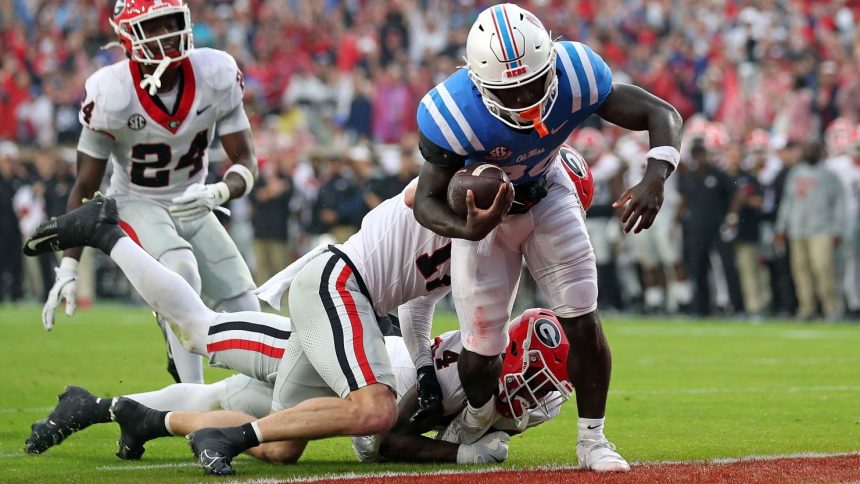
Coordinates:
(273, 290)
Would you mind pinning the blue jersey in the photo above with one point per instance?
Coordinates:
(453, 116)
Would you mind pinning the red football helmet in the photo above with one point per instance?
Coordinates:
(578, 171)
(535, 364)
(590, 142)
(129, 17)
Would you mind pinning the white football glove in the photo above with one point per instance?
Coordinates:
(489, 449)
(198, 200)
(65, 287)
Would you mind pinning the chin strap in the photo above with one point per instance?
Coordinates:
(534, 115)
(152, 82)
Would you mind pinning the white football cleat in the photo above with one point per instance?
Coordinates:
(460, 432)
(489, 449)
(600, 456)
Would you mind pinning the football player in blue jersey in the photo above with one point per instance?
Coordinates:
(516, 101)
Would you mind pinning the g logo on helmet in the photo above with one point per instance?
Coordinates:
(548, 333)
(118, 6)
(573, 160)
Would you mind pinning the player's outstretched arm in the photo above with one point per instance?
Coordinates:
(634, 108)
(89, 177)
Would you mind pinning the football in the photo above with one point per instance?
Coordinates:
(483, 180)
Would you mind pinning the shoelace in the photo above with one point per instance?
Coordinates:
(598, 444)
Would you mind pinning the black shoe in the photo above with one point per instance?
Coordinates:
(138, 424)
(171, 364)
(74, 411)
(214, 451)
(94, 224)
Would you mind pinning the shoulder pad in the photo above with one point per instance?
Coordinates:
(217, 67)
(110, 87)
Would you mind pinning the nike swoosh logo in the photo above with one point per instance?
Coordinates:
(554, 131)
(592, 427)
(200, 111)
(33, 243)
(206, 459)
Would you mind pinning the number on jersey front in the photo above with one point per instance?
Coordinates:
(149, 161)
(428, 265)
(447, 359)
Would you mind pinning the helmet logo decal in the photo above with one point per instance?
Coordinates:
(118, 6)
(573, 161)
(548, 333)
(507, 40)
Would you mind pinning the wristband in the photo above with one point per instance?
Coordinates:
(666, 153)
(246, 175)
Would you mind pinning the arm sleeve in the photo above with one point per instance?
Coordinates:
(437, 155)
(416, 322)
(98, 144)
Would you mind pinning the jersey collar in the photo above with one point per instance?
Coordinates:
(155, 109)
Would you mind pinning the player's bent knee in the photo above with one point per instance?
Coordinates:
(374, 410)
(579, 298)
(280, 452)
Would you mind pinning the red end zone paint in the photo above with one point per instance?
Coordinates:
(789, 470)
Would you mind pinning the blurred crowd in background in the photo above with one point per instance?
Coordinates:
(761, 218)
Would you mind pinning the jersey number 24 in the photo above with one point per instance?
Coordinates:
(146, 172)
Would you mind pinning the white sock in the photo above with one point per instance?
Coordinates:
(653, 297)
(166, 292)
(478, 417)
(682, 291)
(257, 431)
(590, 428)
(167, 423)
(184, 397)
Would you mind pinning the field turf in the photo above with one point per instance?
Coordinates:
(681, 391)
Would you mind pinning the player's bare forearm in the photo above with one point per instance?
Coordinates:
(239, 147)
(431, 204)
(87, 181)
(403, 447)
(636, 109)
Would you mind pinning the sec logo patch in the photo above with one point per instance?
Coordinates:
(136, 122)
(499, 153)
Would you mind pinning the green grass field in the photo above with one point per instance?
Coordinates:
(681, 391)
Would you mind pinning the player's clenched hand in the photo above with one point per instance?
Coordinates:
(429, 397)
(198, 200)
(65, 287)
(643, 202)
(481, 222)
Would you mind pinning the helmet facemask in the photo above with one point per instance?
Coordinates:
(535, 387)
(521, 117)
(149, 44)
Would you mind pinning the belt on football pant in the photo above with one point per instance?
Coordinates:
(528, 195)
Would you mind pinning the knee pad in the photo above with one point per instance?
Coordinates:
(579, 298)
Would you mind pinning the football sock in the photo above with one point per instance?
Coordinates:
(102, 410)
(479, 417)
(590, 428)
(241, 438)
(184, 397)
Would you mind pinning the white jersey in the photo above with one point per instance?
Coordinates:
(158, 151)
(398, 259)
(446, 352)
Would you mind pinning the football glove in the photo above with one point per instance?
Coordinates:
(429, 397)
(65, 287)
(198, 200)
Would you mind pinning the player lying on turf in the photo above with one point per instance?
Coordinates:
(336, 348)
(532, 388)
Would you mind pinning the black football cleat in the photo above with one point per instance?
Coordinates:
(213, 450)
(75, 411)
(93, 224)
(138, 424)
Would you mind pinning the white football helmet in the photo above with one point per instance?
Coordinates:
(508, 48)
